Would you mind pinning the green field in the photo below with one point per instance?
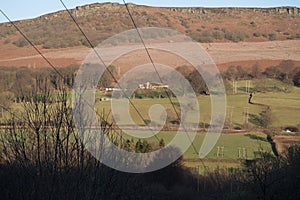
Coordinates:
(285, 108)
(283, 99)
(248, 146)
(284, 104)
(252, 143)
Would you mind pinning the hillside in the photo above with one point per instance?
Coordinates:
(227, 32)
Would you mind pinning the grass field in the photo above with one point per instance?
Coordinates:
(285, 108)
(283, 99)
(252, 142)
(249, 144)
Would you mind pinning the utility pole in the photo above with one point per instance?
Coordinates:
(230, 114)
(222, 152)
(244, 153)
(234, 86)
(246, 115)
(248, 85)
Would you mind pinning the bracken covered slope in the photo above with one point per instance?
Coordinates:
(232, 36)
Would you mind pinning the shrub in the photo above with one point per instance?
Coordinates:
(253, 24)
(185, 23)
(296, 79)
(266, 117)
(6, 41)
(21, 42)
(272, 37)
(235, 36)
(205, 39)
(218, 35)
(257, 34)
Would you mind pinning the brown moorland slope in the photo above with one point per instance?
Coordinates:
(232, 36)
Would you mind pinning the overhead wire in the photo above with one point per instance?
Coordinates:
(36, 49)
(28, 40)
(156, 71)
(100, 58)
(109, 71)
(43, 56)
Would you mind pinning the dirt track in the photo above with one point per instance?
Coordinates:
(284, 141)
(223, 54)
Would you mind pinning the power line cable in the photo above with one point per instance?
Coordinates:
(27, 39)
(54, 68)
(42, 55)
(156, 71)
(109, 71)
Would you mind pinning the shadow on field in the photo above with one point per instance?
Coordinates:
(255, 137)
(255, 119)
